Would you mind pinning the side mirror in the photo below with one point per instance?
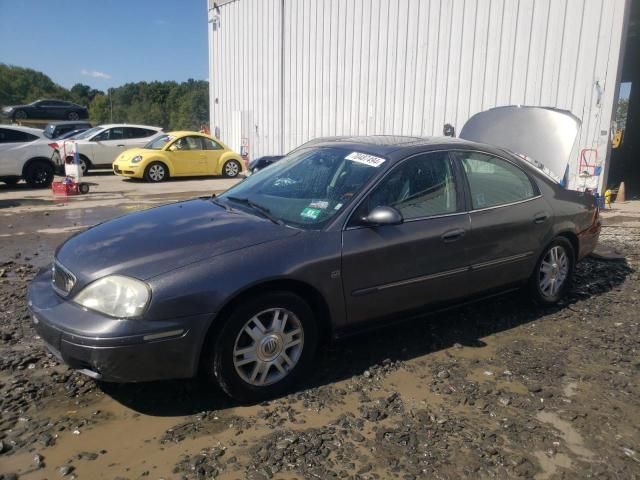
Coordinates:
(383, 216)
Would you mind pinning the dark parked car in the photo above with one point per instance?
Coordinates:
(334, 238)
(46, 110)
(57, 130)
(259, 163)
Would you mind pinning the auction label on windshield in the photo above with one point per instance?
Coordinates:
(370, 160)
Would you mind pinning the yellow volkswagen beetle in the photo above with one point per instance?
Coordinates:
(178, 154)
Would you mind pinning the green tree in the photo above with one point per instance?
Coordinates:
(99, 111)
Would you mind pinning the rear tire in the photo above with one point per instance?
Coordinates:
(278, 334)
(231, 168)
(39, 174)
(156, 172)
(552, 277)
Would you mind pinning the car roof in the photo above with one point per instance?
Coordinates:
(69, 122)
(388, 144)
(181, 133)
(113, 125)
(32, 131)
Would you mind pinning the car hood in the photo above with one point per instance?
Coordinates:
(545, 135)
(155, 241)
(132, 152)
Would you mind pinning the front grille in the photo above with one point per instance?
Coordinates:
(116, 169)
(62, 280)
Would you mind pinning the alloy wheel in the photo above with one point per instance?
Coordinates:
(554, 270)
(156, 173)
(73, 116)
(231, 169)
(268, 347)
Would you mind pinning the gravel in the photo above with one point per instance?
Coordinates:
(499, 389)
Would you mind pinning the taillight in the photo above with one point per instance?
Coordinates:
(54, 146)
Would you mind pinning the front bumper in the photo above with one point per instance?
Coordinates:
(126, 170)
(111, 349)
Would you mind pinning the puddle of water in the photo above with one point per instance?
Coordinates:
(550, 465)
(572, 438)
(411, 388)
(62, 229)
(131, 441)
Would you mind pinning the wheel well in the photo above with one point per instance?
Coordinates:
(33, 160)
(229, 159)
(159, 161)
(308, 293)
(575, 243)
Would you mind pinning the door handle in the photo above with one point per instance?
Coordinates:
(120, 145)
(453, 235)
(540, 218)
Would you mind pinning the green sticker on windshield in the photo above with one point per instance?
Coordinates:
(312, 213)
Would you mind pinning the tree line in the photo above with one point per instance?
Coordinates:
(170, 105)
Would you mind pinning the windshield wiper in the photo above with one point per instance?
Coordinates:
(256, 206)
(218, 202)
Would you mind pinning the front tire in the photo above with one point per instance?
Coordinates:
(552, 277)
(263, 348)
(20, 115)
(156, 172)
(231, 169)
(39, 174)
(73, 116)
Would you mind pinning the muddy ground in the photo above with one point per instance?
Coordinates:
(498, 389)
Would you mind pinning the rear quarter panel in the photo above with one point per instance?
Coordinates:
(573, 212)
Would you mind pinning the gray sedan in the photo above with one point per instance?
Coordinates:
(336, 237)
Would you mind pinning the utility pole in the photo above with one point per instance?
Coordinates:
(110, 105)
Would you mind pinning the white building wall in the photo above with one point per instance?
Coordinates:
(299, 69)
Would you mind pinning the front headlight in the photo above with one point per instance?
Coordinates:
(115, 295)
(136, 159)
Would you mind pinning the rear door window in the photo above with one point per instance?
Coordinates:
(135, 132)
(494, 181)
(15, 136)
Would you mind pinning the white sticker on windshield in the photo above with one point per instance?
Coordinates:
(323, 204)
(370, 160)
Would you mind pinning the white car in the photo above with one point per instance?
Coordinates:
(25, 153)
(99, 146)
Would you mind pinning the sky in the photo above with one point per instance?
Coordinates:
(106, 43)
(625, 90)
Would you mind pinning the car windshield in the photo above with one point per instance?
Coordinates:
(159, 142)
(88, 133)
(306, 188)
